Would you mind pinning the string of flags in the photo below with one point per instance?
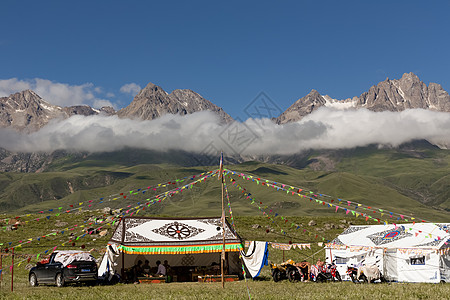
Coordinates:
(244, 273)
(229, 205)
(340, 203)
(157, 198)
(285, 246)
(346, 206)
(118, 196)
(275, 215)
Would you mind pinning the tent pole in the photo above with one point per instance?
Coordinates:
(12, 271)
(1, 263)
(222, 259)
(122, 271)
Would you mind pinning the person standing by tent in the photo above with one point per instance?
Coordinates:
(161, 269)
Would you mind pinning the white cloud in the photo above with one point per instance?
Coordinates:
(323, 129)
(130, 88)
(13, 85)
(99, 103)
(56, 93)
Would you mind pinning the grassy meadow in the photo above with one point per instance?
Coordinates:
(249, 228)
(414, 183)
(235, 290)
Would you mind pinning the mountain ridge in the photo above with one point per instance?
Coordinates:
(389, 95)
(153, 102)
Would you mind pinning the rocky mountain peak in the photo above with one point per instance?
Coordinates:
(302, 107)
(108, 110)
(153, 102)
(26, 111)
(408, 92)
(150, 91)
(410, 77)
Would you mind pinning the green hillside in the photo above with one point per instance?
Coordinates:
(409, 181)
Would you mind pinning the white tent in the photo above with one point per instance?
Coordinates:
(418, 252)
(184, 242)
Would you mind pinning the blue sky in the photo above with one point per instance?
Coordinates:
(229, 51)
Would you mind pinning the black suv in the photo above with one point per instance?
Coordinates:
(65, 267)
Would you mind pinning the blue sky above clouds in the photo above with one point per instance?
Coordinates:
(102, 52)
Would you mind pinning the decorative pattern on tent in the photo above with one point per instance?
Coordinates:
(388, 236)
(174, 236)
(178, 231)
(337, 241)
(432, 244)
(353, 229)
(418, 235)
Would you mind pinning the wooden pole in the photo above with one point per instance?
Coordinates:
(223, 246)
(122, 271)
(1, 263)
(1, 266)
(12, 271)
(222, 259)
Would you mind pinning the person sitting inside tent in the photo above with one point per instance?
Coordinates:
(166, 265)
(146, 268)
(137, 271)
(305, 268)
(161, 269)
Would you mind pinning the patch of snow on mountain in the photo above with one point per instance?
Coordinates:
(45, 106)
(338, 104)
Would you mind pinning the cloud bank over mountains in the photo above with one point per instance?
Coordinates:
(325, 128)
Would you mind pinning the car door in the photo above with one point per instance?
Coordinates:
(50, 269)
(40, 272)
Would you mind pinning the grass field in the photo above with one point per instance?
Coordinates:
(235, 290)
(387, 179)
(249, 228)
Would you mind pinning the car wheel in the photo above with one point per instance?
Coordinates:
(33, 280)
(59, 280)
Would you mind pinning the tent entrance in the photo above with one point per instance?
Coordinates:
(390, 264)
(184, 267)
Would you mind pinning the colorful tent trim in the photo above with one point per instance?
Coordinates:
(187, 249)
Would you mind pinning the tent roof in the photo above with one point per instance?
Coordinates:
(418, 235)
(174, 235)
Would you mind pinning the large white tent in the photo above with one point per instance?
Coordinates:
(418, 252)
(183, 242)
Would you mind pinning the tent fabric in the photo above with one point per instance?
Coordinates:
(417, 236)
(108, 261)
(256, 258)
(404, 253)
(142, 235)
